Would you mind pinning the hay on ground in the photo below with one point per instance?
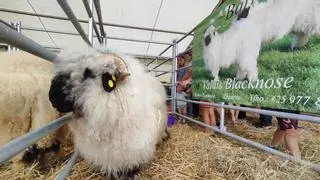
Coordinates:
(192, 153)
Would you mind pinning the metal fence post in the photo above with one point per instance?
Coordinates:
(222, 115)
(174, 77)
(104, 41)
(10, 47)
(90, 24)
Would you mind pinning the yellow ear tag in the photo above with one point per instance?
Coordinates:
(110, 83)
(114, 78)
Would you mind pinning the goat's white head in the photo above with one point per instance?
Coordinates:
(94, 73)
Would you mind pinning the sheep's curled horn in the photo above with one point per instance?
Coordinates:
(109, 81)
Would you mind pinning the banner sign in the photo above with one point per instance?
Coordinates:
(244, 53)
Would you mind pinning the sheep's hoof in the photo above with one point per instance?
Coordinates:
(31, 154)
(241, 75)
(166, 136)
(55, 147)
(296, 48)
(132, 174)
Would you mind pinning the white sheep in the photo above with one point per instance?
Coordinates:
(265, 22)
(24, 104)
(119, 118)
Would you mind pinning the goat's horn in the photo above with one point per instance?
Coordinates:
(121, 65)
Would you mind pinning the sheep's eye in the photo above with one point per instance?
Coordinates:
(88, 73)
(108, 82)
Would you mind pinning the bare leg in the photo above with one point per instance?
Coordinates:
(215, 72)
(277, 137)
(213, 121)
(291, 138)
(205, 116)
(184, 111)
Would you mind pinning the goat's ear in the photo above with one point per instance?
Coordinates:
(88, 73)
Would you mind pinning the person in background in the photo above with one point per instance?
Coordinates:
(288, 131)
(242, 114)
(181, 105)
(171, 117)
(265, 121)
(208, 115)
(185, 60)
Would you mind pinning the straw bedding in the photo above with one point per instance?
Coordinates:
(192, 153)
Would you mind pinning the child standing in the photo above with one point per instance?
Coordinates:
(181, 105)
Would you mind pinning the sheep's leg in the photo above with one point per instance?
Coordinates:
(41, 114)
(241, 74)
(215, 71)
(31, 154)
(166, 136)
(299, 40)
(248, 65)
(132, 174)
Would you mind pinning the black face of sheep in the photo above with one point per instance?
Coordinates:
(207, 40)
(60, 92)
(210, 31)
(63, 85)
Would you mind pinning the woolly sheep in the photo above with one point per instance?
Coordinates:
(119, 118)
(24, 103)
(264, 22)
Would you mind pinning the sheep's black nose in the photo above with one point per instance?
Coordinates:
(59, 94)
(207, 40)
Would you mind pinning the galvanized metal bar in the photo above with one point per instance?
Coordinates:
(174, 76)
(68, 11)
(161, 74)
(142, 41)
(152, 70)
(19, 31)
(98, 9)
(255, 144)
(139, 56)
(109, 37)
(67, 168)
(188, 34)
(13, 24)
(12, 37)
(19, 144)
(92, 21)
(85, 21)
(184, 67)
(222, 115)
(160, 64)
(7, 24)
(149, 56)
(104, 42)
(168, 85)
(300, 117)
(165, 50)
